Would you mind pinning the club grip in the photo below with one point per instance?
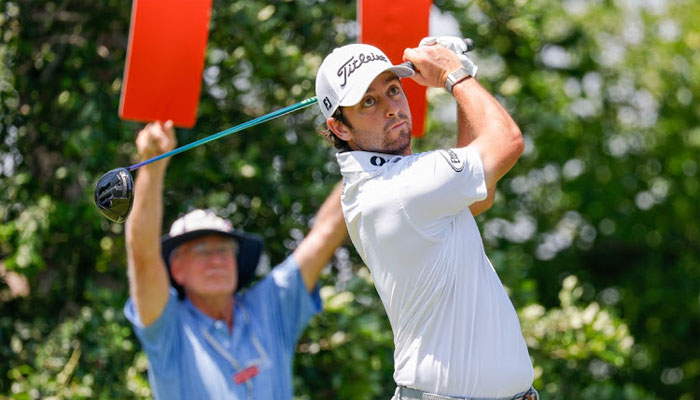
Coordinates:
(408, 64)
(468, 41)
(470, 44)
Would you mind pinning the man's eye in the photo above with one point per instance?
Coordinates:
(394, 90)
(368, 102)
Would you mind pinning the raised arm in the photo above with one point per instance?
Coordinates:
(148, 278)
(496, 136)
(326, 235)
(465, 136)
(482, 122)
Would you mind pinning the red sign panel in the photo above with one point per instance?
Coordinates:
(165, 59)
(392, 26)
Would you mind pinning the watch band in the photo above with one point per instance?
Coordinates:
(456, 76)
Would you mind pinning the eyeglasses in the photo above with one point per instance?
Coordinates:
(205, 249)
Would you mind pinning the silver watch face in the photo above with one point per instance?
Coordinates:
(456, 76)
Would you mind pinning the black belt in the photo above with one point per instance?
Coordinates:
(405, 393)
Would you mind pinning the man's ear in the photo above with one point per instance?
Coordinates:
(339, 129)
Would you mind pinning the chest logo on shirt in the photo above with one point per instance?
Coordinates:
(453, 160)
(377, 161)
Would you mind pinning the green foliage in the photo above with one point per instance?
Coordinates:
(577, 347)
(353, 331)
(607, 190)
(91, 354)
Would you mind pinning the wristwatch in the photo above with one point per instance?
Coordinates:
(456, 76)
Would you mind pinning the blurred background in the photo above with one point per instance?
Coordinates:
(595, 232)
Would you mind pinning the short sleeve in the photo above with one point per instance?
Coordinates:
(283, 302)
(442, 183)
(159, 340)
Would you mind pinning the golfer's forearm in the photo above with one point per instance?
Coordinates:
(479, 113)
(468, 120)
(484, 123)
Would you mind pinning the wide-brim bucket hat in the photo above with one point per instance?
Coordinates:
(199, 223)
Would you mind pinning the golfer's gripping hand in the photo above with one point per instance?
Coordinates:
(155, 139)
(432, 63)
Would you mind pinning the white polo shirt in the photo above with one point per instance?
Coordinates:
(456, 331)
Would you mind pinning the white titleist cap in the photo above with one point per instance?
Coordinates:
(347, 72)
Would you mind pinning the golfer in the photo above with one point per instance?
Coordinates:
(204, 338)
(411, 219)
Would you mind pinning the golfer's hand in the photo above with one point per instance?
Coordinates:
(433, 64)
(155, 139)
(457, 45)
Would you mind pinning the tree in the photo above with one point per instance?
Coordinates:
(595, 231)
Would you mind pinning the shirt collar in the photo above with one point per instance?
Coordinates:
(207, 322)
(358, 161)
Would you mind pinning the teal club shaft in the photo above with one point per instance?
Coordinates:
(237, 128)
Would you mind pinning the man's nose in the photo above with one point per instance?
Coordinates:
(217, 254)
(392, 107)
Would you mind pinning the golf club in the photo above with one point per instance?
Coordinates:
(467, 41)
(114, 191)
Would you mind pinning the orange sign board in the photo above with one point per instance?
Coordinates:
(393, 26)
(164, 61)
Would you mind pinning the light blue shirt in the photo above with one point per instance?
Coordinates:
(182, 343)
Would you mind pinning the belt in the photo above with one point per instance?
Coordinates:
(404, 393)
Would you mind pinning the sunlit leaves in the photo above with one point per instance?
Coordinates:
(607, 189)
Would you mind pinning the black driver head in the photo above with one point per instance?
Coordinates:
(114, 194)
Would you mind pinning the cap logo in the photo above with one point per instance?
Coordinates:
(353, 64)
(327, 103)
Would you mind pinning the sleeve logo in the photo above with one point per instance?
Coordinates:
(453, 160)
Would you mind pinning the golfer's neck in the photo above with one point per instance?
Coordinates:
(405, 152)
(217, 307)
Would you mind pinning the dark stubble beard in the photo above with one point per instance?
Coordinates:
(396, 147)
(403, 142)
(400, 145)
